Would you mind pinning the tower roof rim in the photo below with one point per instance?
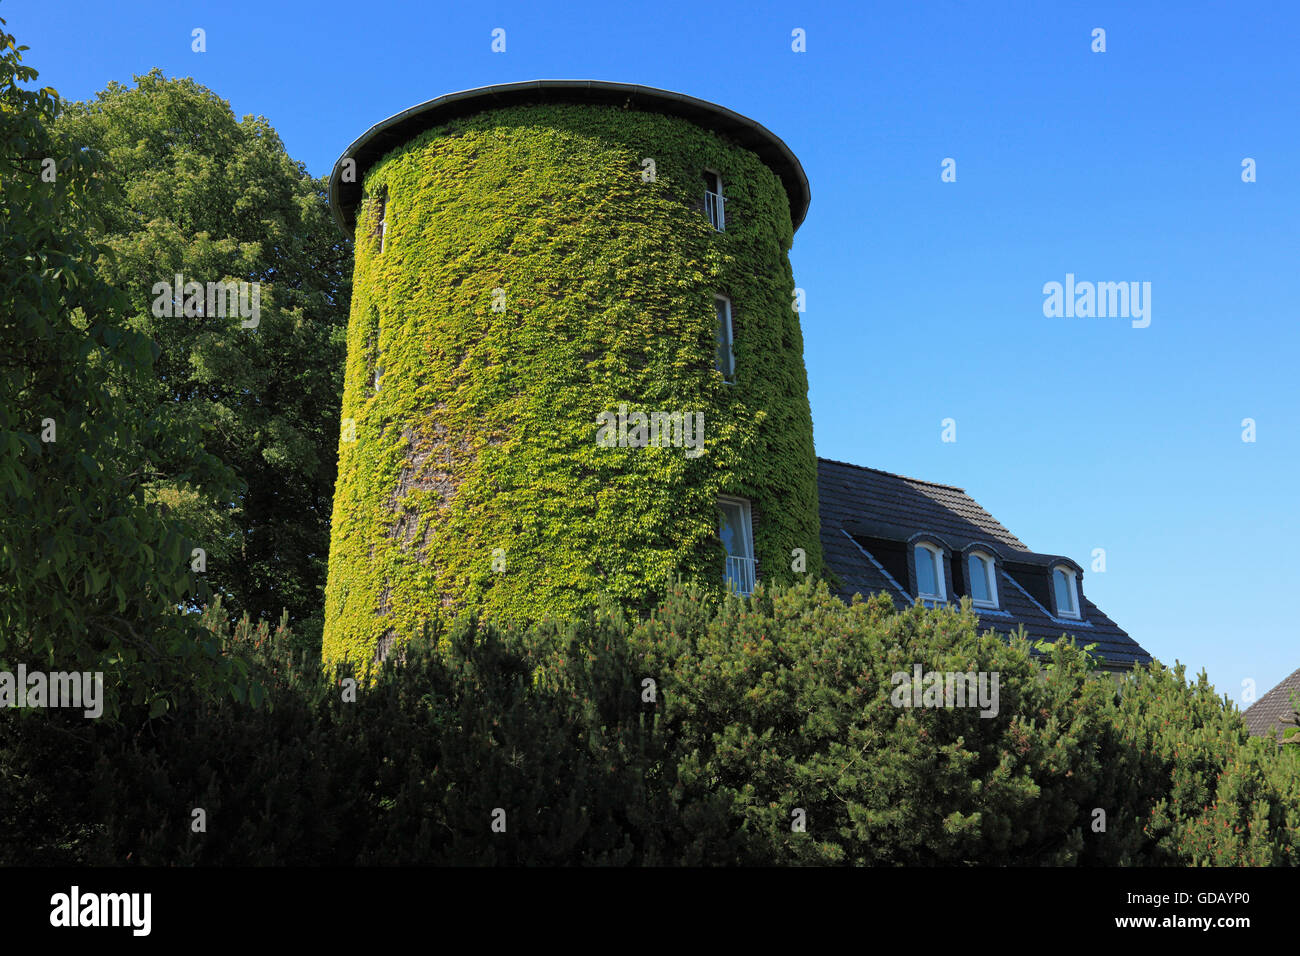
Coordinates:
(344, 197)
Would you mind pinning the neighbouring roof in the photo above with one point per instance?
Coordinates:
(864, 508)
(388, 134)
(1273, 713)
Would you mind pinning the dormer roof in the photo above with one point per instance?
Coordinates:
(869, 518)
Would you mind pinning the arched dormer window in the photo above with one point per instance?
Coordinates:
(1065, 590)
(927, 559)
(981, 577)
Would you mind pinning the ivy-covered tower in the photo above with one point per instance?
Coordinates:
(575, 363)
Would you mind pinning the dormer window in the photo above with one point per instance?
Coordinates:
(983, 584)
(713, 199)
(929, 572)
(1066, 589)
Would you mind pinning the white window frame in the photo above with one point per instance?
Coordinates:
(1072, 581)
(990, 571)
(747, 569)
(720, 223)
(728, 379)
(939, 582)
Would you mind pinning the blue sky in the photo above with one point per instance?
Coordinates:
(925, 298)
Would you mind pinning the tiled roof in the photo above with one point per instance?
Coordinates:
(1272, 713)
(863, 504)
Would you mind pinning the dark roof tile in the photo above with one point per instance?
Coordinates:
(1272, 713)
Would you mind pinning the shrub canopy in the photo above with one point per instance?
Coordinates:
(763, 712)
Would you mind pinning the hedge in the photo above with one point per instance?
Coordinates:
(764, 712)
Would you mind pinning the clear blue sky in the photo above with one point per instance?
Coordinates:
(925, 298)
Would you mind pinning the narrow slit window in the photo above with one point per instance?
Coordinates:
(725, 358)
(381, 218)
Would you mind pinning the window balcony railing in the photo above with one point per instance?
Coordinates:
(740, 575)
(713, 208)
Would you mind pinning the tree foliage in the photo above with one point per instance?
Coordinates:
(201, 194)
(92, 572)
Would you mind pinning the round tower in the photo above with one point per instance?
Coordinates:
(575, 364)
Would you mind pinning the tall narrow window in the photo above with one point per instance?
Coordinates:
(374, 355)
(737, 537)
(713, 202)
(381, 217)
(725, 360)
(983, 586)
(1064, 582)
(929, 572)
